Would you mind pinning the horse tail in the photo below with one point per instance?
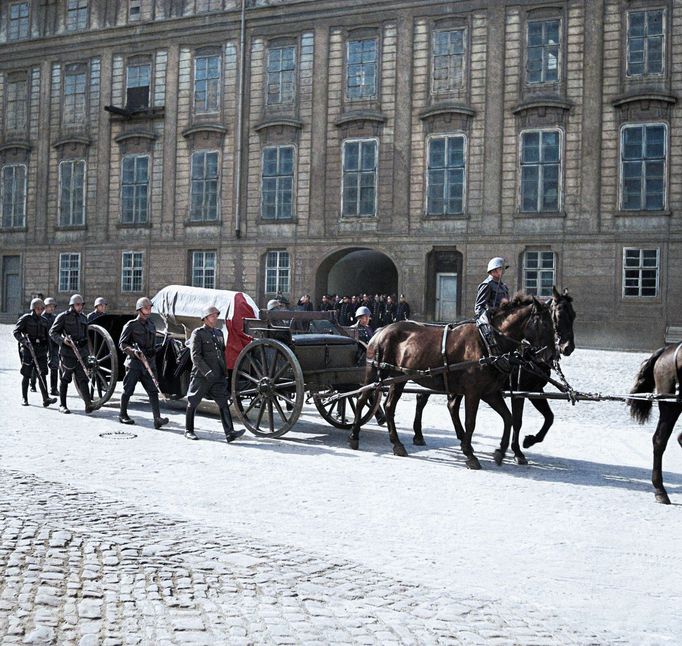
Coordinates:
(640, 409)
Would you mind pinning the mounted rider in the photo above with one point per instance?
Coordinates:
(491, 293)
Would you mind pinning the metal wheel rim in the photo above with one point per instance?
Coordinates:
(341, 414)
(104, 373)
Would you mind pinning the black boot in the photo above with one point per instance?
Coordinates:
(47, 400)
(189, 424)
(24, 391)
(89, 408)
(123, 413)
(53, 382)
(230, 434)
(63, 408)
(33, 381)
(158, 420)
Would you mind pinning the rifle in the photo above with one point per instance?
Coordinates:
(29, 345)
(141, 356)
(69, 341)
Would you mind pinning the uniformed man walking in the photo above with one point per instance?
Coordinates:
(492, 292)
(33, 334)
(138, 341)
(53, 351)
(100, 309)
(70, 331)
(209, 377)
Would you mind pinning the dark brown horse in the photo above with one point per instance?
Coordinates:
(660, 373)
(415, 346)
(563, 315)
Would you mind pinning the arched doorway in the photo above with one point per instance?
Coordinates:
(356, 270)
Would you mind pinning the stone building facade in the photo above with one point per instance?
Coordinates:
(311, 146)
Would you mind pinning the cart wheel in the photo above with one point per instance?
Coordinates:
(341, 413)
(267, 387)
(103, 364)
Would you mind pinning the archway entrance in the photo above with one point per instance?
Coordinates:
(356, 270)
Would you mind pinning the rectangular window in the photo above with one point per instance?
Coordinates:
(646, 42)
(540, 170)
(361, 68)
(134, 10)
(69, 272)
(640, 272)
(281, 75)
(203, 269)
(18, 20)
(76, 15)
(543, 51)
(277, 183)
(448, 60)
(138, 79)
(206, 84)
(72, 193)
(359, 177)
(204, 190)
(13, 192)
(539, 272)
(17, 104)
(74, 95)
(446, 175)
(277, 272)
(132, 271)
(643, 153)
(135, 189)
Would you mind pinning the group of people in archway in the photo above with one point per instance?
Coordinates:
(384, 308)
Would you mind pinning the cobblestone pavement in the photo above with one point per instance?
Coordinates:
(78, 568)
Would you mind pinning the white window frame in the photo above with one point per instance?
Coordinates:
(13, 224)
(360, 140)
(22, 24)
(206, 273)
(560, 182)
(545, 67)
(540, 270)
(72, 219)
(278, 180)
(75, 9)
(429, 140)
(75, 107)
(279, 273)
(12, 103)
(66, 273)
(640, 268)
(204, 191)
(132, 272)
(135, 64)
(136, 220)
(278, 78)
(664, 35)
(363, 96)
(453, 85)
(217, 82)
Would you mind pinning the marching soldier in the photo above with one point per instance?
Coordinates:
(53, 352)
(100, 310)
(138, 341)
(209, 377)
(70, 331)
(32, 333)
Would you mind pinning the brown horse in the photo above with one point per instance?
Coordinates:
(415, 346)
(661, 373)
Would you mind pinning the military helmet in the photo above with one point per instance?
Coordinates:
(273, 304)
(142, 302)
(207, 311)
(497, 263)
(50, 301)
(100, 301)
(362, 311)
(76, 299)
(37, 302)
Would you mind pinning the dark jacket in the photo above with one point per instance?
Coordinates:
(94, 315)
(207, 348)
(364, 332)
(36, 328)
(490, 294)
(141, 334)
(73, 324)
(402, 311)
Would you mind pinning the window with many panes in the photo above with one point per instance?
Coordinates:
(277, 183)
(539, 272)
(76, 14)
(281, 75)
(135, 189)
(540, 171)
(448, 60)
(640, 272)
(543, 48)
(204, 187)
(277, 272)
(361, 68)
(74, 94)
(643, 152)
(17, 103)
(446, 174)
(359, 177)
(207, 83)
(69, 272)
(18, 26)
(645, 42)
(72, 192)
(203, 269)
(138, 79)
(13, 195)
(132, 271)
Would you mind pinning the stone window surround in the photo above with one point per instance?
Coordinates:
(85, 67)
(69, 288)
(562, 169)
(204, 221)
(289, 108)
(23, 225)
(265, 267)
(78, 9)
(429, 138)
(202, 52)
(192, 267)
(645, 5)
(375, 214)
(150, 166)
(659, 287)
(451, 24)
(293, 217)
(12, 77)
(133, 253)
(538, 249)
(361, 33)
(79, 225)
(133, 61)
(9, 21)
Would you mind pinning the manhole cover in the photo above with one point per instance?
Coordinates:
(118, 435)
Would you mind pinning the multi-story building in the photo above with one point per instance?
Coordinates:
(347, 146)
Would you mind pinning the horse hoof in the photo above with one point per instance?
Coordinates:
(419, 441)
(520, 459)
(400, 451)
(662, 498)
(498, 456)
(473, 463)
(528, 441)
(354, 444)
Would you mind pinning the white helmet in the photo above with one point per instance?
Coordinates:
(50, 301)
(362, 311)
(497, 263)
(142, 302)
(100, 301)
(37, 302)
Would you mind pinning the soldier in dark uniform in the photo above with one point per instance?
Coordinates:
(100, 309)
(53, 351)
(403, 309)
(33, 330)
(74, 324)
(362, 324)
(139, 335)
(492, 292)
(209, 377)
